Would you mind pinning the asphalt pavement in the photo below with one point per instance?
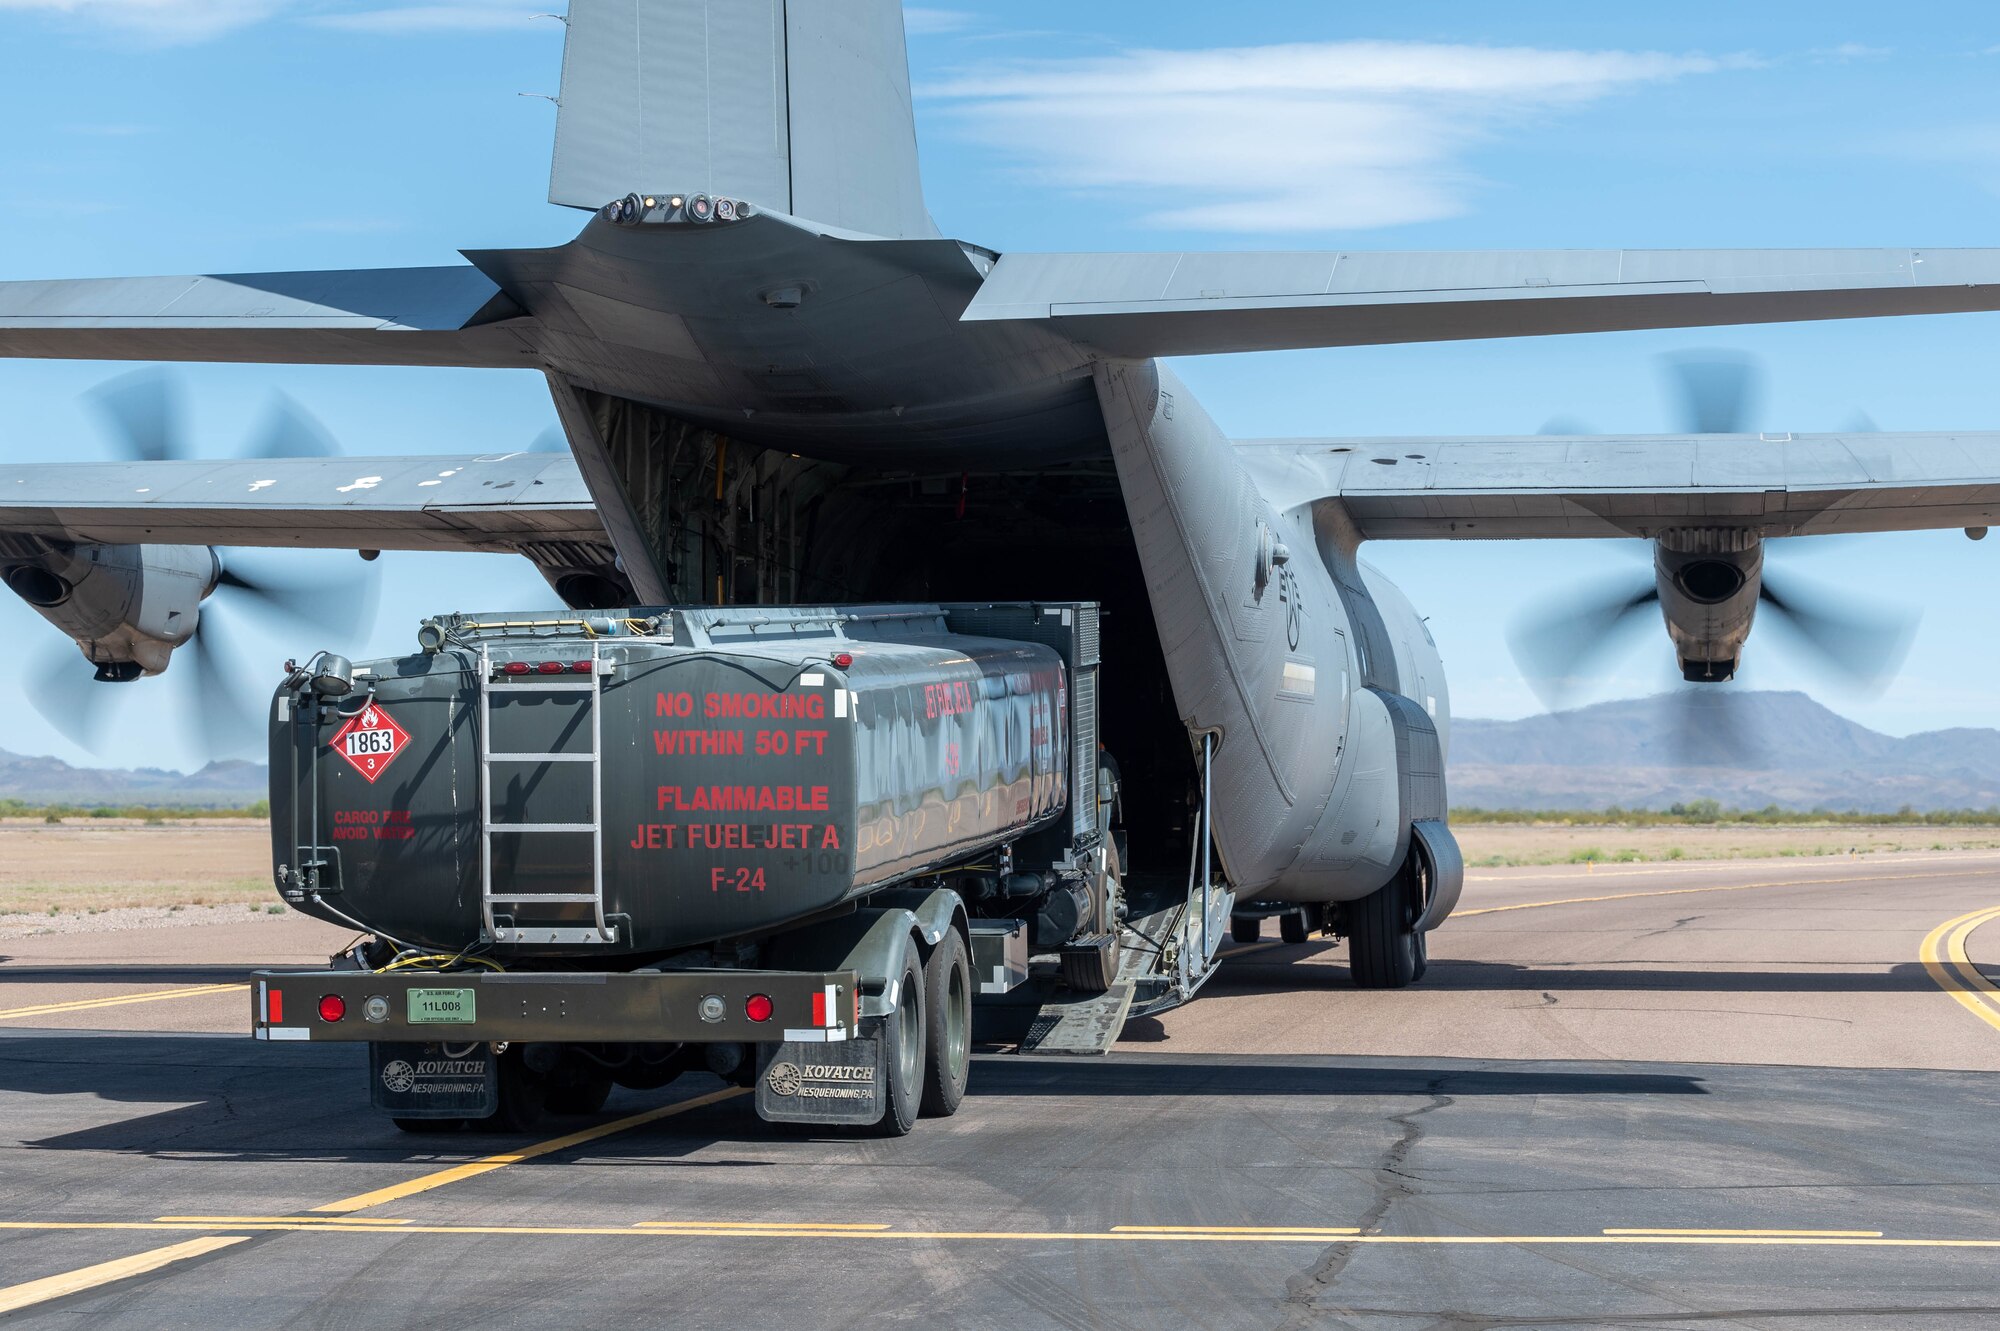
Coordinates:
(1751, 1095)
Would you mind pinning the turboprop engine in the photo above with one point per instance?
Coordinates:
(126, 606)
(1708, 581)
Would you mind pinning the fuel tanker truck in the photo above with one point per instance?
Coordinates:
(793, 847)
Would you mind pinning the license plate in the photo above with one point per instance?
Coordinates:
(442, 1005)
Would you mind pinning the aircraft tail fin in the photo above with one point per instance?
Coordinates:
(800, 106)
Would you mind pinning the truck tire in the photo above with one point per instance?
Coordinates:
(1382, 948)
(1245, 928)
(903, 1052)
(1292, 927)
(650, 1074)
(947, 1026)
(579, 1092)
(524, 1098)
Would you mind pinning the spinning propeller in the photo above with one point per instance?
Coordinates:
(253, 594)
(1563, 641)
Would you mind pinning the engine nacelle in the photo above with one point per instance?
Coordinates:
(126, 606)
(1709, 579)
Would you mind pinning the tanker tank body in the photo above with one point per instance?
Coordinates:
(608, 847)
(716, 774)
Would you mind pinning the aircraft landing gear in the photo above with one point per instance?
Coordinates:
(1384, 949)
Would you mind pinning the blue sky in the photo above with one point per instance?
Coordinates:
(176, 136)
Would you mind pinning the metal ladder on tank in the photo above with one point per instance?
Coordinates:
(488, 829)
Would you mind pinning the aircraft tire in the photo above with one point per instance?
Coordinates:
(1292, 927)
(1245, 928)
(1382, 949)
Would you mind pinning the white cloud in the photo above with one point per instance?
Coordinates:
(179, 21)
(1326, 136)
(429, 18)
(919, 21)
(158, 20)
(1848, 51)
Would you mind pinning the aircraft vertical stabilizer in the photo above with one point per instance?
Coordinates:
(801, 106)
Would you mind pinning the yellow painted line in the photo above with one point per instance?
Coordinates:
(1760, 1233)
(1231, 1229)
(1944, 957)
(811, 1225)
(85, 1004)
(277, 1220)
(15, 1297)
(459, 1173)
(1689, 891)
(297, 1225)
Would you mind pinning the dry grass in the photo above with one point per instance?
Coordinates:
(1560, 843)
(103, 863)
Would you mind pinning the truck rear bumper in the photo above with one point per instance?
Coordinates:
(575, 1007)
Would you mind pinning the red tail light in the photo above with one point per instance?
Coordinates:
(758, 1007)
(332, 1007)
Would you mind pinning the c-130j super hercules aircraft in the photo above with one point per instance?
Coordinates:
(782, 385)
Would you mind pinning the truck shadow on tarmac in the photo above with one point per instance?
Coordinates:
(118, 974)
(224, 1098)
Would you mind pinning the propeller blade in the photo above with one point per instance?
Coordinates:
(224, 722)
(1866, 644)
(1715, 392)
(1862, 423)
(1565, 425)
(337, 605)
(290, 431)
(1707, 728)
(143, 411)
(551, 440)
(1560, 644)
(63, 691)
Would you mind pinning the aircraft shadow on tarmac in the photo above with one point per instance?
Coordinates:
(1279, 974)
(224, 1097)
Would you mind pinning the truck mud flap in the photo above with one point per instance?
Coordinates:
(433, 1080)
(841, 1082)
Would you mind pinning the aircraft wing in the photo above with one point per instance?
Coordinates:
(529, 503)
(1638, 485)
(382, 316)
(1141, 305)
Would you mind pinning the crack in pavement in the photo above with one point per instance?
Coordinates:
(1392, 1183)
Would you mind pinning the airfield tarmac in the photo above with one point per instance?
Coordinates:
(1754, 1094)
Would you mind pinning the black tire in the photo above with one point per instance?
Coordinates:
(524, 1098)
(578, 1091)
(429, 1126)
(1423, 957)
(1245, 928)
(643, 1074)
(903, 1053)
(947, 1026)
(1292, 927)
(1381, 946)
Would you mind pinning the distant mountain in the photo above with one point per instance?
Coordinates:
(52, 781)
(1745, 749)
